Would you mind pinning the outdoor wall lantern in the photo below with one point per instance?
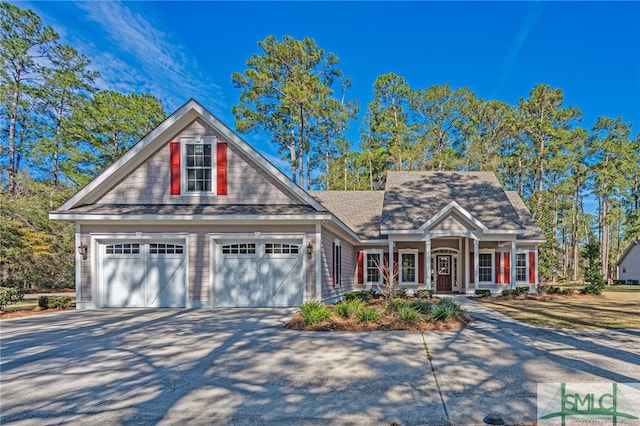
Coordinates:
(83, 249)
(309, 250)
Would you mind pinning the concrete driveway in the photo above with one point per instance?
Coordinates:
(239, 366)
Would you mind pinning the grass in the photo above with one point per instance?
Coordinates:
(618, 307)
(26, 307)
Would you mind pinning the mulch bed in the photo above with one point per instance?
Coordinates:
(388, 323)
(28, 312)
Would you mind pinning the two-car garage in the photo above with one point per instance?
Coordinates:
(258, 272)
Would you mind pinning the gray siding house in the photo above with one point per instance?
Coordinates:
(192, 216)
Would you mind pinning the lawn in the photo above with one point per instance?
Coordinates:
(618, 307)
(28, 307)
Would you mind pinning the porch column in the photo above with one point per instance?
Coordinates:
(476, 260)
(427, 263)
(467, 275)
(391, 268)
(513, 264)
(537, 267)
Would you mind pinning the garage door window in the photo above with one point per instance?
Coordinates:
(161, 248)
(244, 248)
(127, 248)
(278, 248)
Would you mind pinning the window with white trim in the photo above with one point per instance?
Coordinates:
(485, 267)
(198, 167)
(281, 248)
(521, 267)
(124, 248)
(373, 267)
(162, 248)
(240, 248)
(409, 266)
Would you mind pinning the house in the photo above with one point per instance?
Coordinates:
(629, 264)
(192, 216)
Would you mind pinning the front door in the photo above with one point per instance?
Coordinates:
(443, 265)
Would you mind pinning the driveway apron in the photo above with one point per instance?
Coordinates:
(240, 366)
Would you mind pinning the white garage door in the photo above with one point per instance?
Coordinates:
(259, 274)
(143, 274)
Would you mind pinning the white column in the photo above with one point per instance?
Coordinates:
(467, 275)
(513, 264)
(427, 263)
(476, 264)
(537, 268)
(318, 260)
(391, 268)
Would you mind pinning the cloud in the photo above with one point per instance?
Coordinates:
(529, 22)
(134, 54)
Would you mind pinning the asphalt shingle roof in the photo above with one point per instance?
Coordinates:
(193, 209)
(532, 230)
(412, 198)
(359, 210)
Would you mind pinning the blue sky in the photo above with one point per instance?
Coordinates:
(500, 50)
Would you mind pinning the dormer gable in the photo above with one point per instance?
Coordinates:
(192, 158)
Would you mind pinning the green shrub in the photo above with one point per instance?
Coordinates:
(483, 293)
(593, 288)
(61, 302)
(424, 294)
(401, 293)
(9, 295)
(55, 302)
(43, 302)
(348, 308)
(521, 291)
(445, 309)
(422, 306)
(363, 295)
(314, 312)
(509, 292)
(368, 315)
(395, 305)
(633, 282)
(410, 315)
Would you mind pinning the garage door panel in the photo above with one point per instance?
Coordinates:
(123, 282)
(259, 274)
(283, 281)
(239, 285)
(165, 281)
(143, 274)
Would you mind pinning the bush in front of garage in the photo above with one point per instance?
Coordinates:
(55, 302)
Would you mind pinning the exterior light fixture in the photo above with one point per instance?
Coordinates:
(309, 250)
(83, 249)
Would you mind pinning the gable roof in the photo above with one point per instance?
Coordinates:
(359, 210)
(628, 250)
(532, 230)
(413, 198)
(161, 135)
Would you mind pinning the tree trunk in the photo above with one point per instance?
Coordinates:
(13, 118)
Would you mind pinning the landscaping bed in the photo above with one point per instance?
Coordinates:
(375, 314)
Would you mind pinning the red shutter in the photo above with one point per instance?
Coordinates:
(472, 275)
(507, 268)
(174, 161)
(498, 268)
(532, 267)
(221, 160)
(333, 266)
(360, 267)
(421, 268)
